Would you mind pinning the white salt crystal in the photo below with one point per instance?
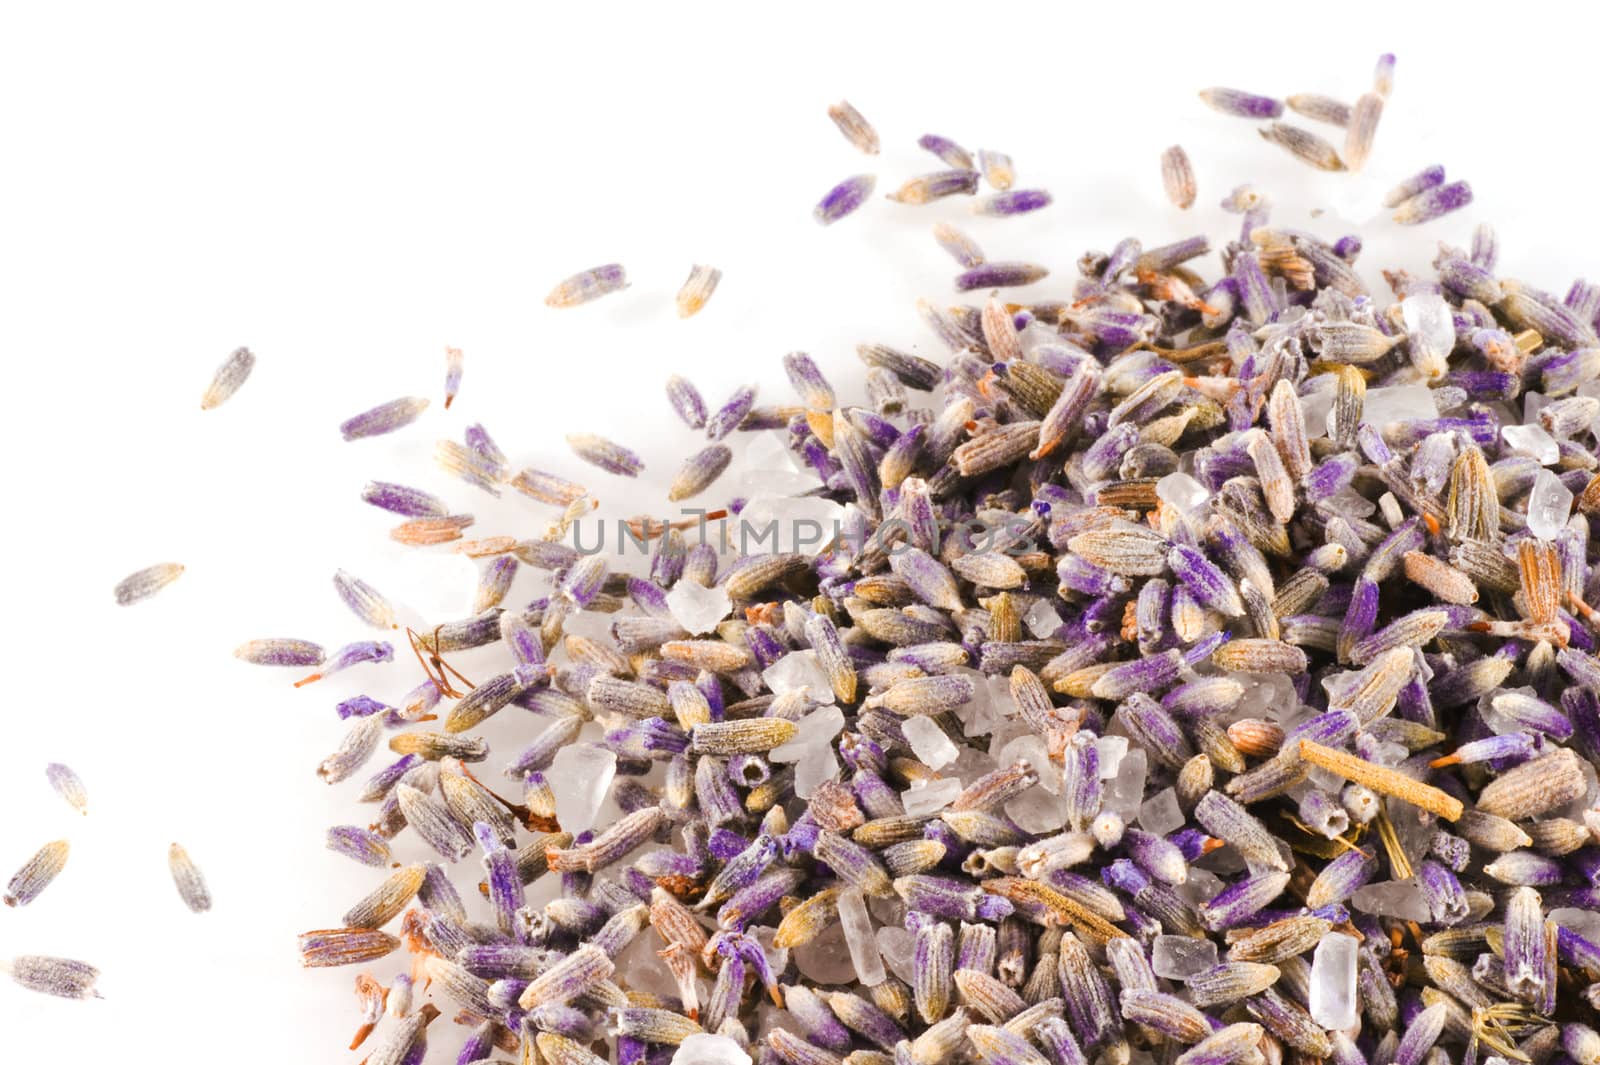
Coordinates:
(1430, 334)
(928, 742)
(1333, 982)
(580, 775)
(1202, 885)
(1125, 791)
(1399, 403)
(804, 524)
(1109, 751)
(1160, 813)
(1531, 440)
(899, 949)
(1030, 748)
(1413, 827)
(858, 937)
(771, 470)
(1392, 898)
(1549, 505)
(972, 764)
(1036, 810)
(1180, 957)
(1585, 923)
(886, 911)
(1268, 695)
(811, 732)
(796, 670)
(817, 767)
(1042, 619)
(1532, 404)
(1315, 403)
(698, 608)
(705, 1049)
(1390, 506)
(1183, 492)
(767, 451)
(930, 797)
(1000, 697)
(777, 957)
(826, 959)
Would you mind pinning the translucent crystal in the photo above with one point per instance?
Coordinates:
(770, 469)
(1030, 748)
(1125, 791)
(1392, 898)
(1000, 701)
(1531, 440)
(857, 925)
(1181, 491)
(1268, 695)
(796, 670)
(886, 911)
(580, 775)
(805, 524)
(1549, 505)
(1109, 751)
(928, 742)
(1036, 810)
(923, 799)
(1399, 403)
(1315, 403)
(816, 767)
(1042, 619)
(698, 608)
(813, 731)
(777, 957)
(1201, 885)
(899, 950)
(1585, 923)
(1180, 957)
(1389, 506)
(705, 1049)
(1333, 982)
(1413, 827)
(1430, 330)
(1532, 404)
(1160, 813)
(826, 959)
(972, 764)
(646, 972)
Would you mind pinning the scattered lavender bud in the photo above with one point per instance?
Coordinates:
(229, 378)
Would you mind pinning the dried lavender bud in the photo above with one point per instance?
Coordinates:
(186, 876)
(52, 976)
(68, 785)
(1177, 177)
(229, 378)
(697, 290)
(856, 129)
(386, 418)
(844, 198)
(588, 285)
(36, 874)
(147, 582)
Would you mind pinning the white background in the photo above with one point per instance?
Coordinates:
(348, 188)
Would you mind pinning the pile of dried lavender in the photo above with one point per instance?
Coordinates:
(1205, 673)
